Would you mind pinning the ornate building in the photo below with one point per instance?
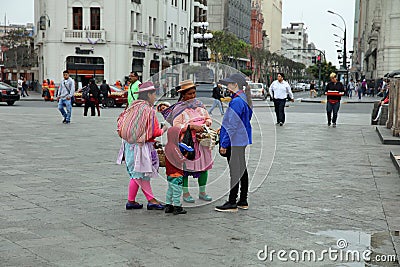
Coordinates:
(376, 38)
(107, 39)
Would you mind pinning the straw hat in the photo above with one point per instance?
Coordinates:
(146, 86)
(186, 85)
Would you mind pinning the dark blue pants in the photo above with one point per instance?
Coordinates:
(332, 107)
(280, 110)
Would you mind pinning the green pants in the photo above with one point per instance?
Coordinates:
(174, 191)
(202, 180)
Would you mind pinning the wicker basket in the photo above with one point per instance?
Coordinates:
(161, 157)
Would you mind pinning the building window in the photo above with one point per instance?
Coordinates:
(150, 26)
(155, 26)
(95, 18)
(77, 18)
(174, 3)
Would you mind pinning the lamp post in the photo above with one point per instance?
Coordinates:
(344, 38)
(204, 35)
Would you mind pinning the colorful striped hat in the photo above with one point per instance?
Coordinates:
(146, 86)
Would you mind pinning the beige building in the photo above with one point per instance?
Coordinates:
(272, 11)
(376, 38)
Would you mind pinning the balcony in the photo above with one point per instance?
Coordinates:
(84, 36)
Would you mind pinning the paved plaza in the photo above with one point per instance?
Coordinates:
(314, 188)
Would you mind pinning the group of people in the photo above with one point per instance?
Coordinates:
(187, 119)
(22, 86)
(95, 96)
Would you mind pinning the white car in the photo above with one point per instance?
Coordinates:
(258, 90)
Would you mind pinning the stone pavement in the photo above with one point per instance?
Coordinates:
(62, 197)
(345, 99)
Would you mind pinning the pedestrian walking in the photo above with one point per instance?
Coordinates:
(359, 90)
(334, 91)
(313, 93)
(24, 87)
(140, 156)
(64, 95)
(350, 88)
(105, 91)
(133, 87)
(364, 87)
(217, 99)
(235, 136)
(174, 162)
(93, 100)
(279, 91)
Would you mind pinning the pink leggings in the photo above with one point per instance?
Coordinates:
(134, 187)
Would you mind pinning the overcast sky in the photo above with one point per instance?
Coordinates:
(318, 22)
(312, 12)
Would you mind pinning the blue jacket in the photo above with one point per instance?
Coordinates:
(236, 127)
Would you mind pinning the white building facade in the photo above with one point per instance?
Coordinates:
(295, 44)
(272, 12)
(376, 38)
(108, 39)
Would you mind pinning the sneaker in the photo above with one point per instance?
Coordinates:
(334, 125)
(227, 207)
(179, 210)
(243, 205)
(169, 208)
(133, 206)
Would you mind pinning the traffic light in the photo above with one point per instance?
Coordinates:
(42, 23)
(314, 60)
(319, 59)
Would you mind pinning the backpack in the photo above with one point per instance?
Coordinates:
(86, 93)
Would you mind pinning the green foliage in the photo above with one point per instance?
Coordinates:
(228, 46)
(20, 51)
(326, 69)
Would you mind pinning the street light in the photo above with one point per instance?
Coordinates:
(204, 35)
(344, 39)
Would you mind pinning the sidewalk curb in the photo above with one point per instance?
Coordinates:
(386, 137)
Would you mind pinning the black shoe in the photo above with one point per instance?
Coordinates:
(169, 208)
(179, 210)
(133, 206)
(227, 207)
(334, 125)
(64, 121)
(281, 124)
(242, 204)
(329, 124)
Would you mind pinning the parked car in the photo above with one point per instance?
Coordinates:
(258, 90)
(8, 94)
(118, 97)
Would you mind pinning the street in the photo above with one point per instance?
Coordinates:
(62, 197)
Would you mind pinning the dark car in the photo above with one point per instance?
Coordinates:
(118, 97)
(8, 94)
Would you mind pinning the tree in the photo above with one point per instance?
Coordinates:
(228, 47)
(19, 52)
(326, 69)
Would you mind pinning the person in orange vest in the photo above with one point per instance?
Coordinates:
(118, 84)
(45, 91)
(52, 89)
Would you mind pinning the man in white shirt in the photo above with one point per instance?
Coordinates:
(279, 91)
(64, 95)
